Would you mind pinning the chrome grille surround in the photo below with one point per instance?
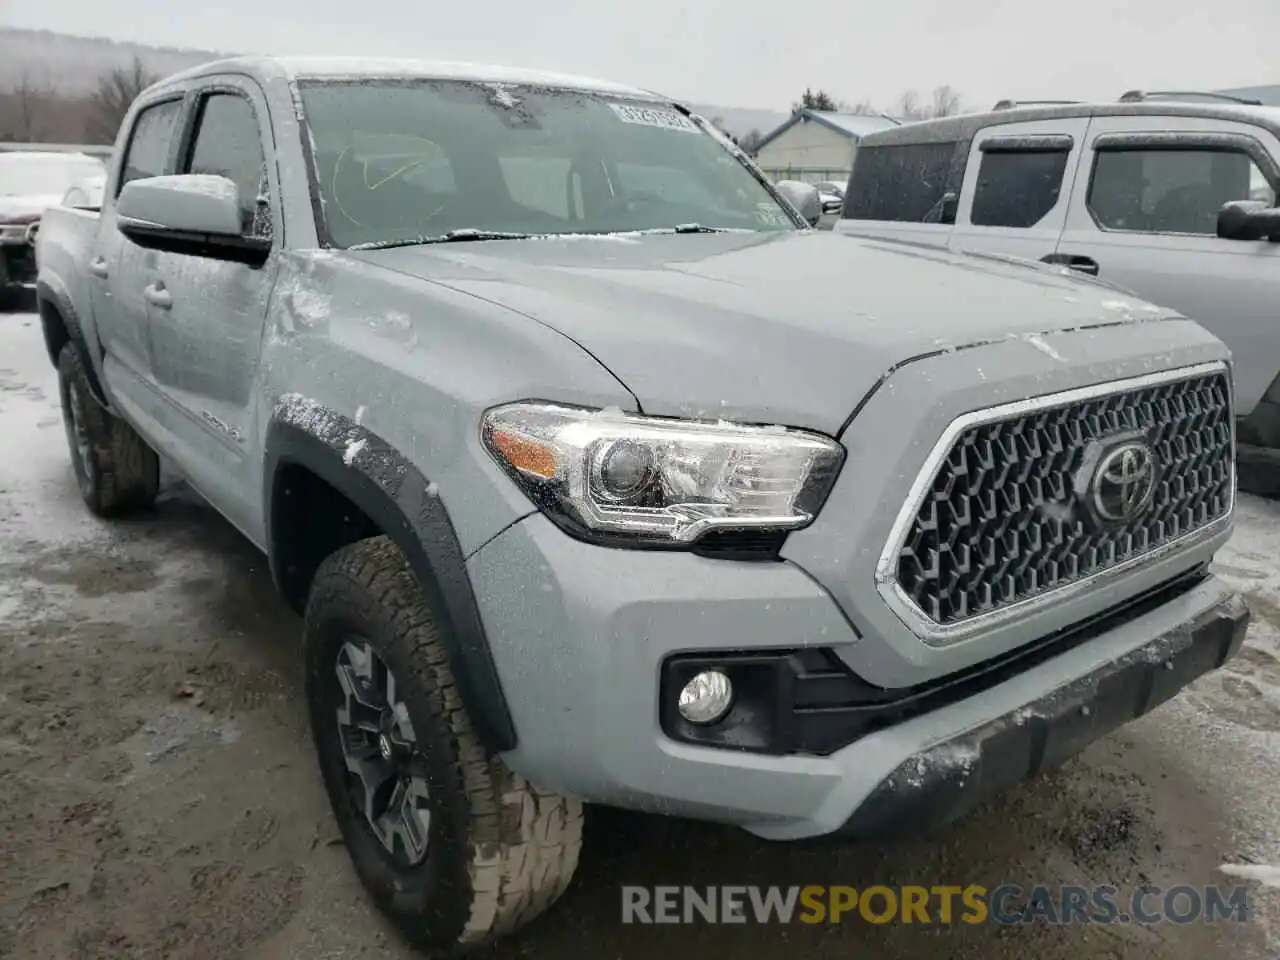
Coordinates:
(1124, 395)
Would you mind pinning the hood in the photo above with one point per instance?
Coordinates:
(793, 328)
(27, 206)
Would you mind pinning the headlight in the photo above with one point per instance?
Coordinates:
(660, 480)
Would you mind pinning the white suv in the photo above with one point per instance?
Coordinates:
(1132, 192)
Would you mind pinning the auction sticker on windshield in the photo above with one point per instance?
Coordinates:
(654, 117)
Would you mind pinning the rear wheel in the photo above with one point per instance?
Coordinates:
(115, 469)
(453, 846)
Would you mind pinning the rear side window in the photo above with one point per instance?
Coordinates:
(1171, 191)
(1017, 188)
(903, 183)
(147, 154)
(228, 143)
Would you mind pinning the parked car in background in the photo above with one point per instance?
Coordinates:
(1170, 196)
(536, 395)
(29, 183)
(87, 193)
(831, 195)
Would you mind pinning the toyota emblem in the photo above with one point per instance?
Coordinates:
(1124, 482)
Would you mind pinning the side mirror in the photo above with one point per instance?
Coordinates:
(804, 197)
(1249, 220)
(193, 214)
(950, 205)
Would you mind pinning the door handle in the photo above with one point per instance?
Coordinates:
(98, 267)
(1072, 262)
(158, 296)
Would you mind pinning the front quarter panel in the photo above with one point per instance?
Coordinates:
(417, 364)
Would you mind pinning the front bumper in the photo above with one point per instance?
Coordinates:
(940, 784)
(580, 633)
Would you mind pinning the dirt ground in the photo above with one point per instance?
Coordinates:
(159, 798)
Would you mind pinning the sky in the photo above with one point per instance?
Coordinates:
(755, 54)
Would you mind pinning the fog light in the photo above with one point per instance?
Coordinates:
(706, 698)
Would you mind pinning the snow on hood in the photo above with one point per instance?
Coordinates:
(28, 205)
(805, 321)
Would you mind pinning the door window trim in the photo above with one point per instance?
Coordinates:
(1121, 142)
(170, 163)
(191, 129)
(1031, 143)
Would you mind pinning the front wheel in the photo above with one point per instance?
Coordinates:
(453, 846)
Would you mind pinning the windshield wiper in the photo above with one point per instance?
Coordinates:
(687, 228)
(453, 236)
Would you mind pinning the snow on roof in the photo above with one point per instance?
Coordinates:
(851, 125)
(295, 68)
(855, 124)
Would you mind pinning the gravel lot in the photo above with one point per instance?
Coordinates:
(158, 796)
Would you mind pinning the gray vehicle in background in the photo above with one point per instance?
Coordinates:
(1169, 195)
(30, 181)
(537, 396)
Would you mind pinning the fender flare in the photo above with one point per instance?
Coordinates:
(395, 495)
(52, 294)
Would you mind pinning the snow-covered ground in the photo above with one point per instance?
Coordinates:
(158, 795)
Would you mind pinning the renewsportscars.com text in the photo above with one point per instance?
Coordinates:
(1006, 904)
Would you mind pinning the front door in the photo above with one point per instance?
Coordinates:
(206, 315)
(1144, 211)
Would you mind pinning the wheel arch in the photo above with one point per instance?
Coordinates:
(61, 325)
(305, 439)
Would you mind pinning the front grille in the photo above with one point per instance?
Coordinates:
(1007, 517)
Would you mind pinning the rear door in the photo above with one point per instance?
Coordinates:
(1144, 213)
(904, 191)
(1017, 182)
(119, 270)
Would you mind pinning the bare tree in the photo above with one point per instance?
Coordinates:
(31, 96)
(116, 91)
(750, 141)
(945, 102)
(908, 106)
(862, 108)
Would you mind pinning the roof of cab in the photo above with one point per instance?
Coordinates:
(301, 68)
(964, 126)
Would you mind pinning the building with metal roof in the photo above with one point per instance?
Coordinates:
(816, 145)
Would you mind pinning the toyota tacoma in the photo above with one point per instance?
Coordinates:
(592, 484)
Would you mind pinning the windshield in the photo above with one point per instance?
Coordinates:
(401, 160)
(34, 176)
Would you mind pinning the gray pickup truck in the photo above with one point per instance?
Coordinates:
(593, 485)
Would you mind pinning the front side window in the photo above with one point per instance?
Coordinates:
(405, 160)
(147, 154)
(899, 183)
(1171, 191)
(1017, 188)
(228, 143)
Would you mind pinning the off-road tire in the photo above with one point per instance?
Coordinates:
(500, 850)
(118, 474)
